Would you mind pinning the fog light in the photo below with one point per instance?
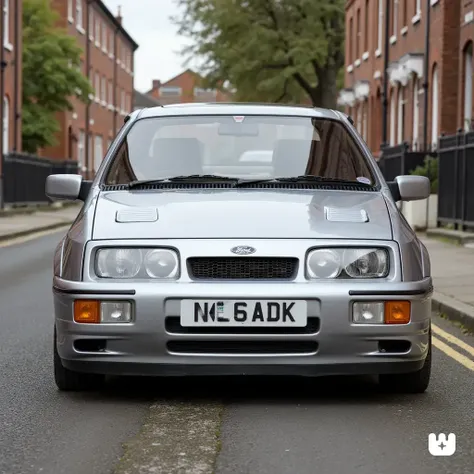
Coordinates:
(115, 312)
(397, 312)
(87, 311)
(368, 313)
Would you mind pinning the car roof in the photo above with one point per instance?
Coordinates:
(221, 108)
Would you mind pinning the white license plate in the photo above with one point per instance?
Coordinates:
(256, 313)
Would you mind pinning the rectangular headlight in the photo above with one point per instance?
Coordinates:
(330, 263)
(131, 262)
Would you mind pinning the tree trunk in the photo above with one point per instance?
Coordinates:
(325, 95)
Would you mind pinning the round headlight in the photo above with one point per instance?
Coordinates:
(161, 263)
(366, 263)
(119, 263)
(324, 263)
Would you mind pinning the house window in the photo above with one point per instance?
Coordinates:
(97, 86)
(366, 26)
(6, 124)
(170, 91)
(350, 42)
(416, 113)
(111, 93)
(394, 18)
(111, 46)
(91, 24)
(6, 22)
(380, 26)
(404, 12)
(357, 54)
(97, 31)
(79, 14)
(104, 91)
(81, 155)
(434, 108)
(468, 87)
(98, 152)
(70, 11)
(401, 114)
(104, 38)
(393, 115)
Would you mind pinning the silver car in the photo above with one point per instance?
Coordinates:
(186, 260)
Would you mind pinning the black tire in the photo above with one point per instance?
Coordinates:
(70, 381)
(412, 382)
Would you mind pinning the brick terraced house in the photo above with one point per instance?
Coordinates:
(185, 87)
(108, 51)
(11, 74)
(449, 78)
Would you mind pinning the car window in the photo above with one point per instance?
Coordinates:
(241, 147)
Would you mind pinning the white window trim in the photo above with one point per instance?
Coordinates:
(393, 115)
(104, 43)
(357, 63)
(404, 30)
(70, 11)
(378, 53)
(350, 68)
(416, 112)
(380, 29)
(6, 124)
(79, 17)
(393, 39)
(400, 115)
(469, 17)
(6, 23)
(365, 56)
(435, 110)
(434, 2)
(416, 19)
(467, 106)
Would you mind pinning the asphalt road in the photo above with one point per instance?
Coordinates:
(277, 426)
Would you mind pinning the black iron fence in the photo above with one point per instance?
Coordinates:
(456, 180)
(24, 177)
(401, 159)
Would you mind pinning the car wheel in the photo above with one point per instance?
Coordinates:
(412, 382)
(70, 381)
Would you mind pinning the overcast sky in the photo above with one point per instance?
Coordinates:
(148, 22)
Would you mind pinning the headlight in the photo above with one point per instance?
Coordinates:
(136, 263)
(347, 263)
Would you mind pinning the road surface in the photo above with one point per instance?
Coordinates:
(199, 426)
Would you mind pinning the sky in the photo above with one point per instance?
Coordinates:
(148, 23)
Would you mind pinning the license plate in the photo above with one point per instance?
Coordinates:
(243, 313)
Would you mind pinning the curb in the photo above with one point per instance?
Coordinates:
(454, 310)
(36, 230)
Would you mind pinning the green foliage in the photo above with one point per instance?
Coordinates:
(269, 50)
(51, 74)
(429, 169)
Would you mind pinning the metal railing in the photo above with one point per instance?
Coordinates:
(25, 177)
(401, 159)
(456, 180)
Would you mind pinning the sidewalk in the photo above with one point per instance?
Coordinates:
(452, 268)
(24, 224)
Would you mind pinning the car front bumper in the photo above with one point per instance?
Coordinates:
(155, 343)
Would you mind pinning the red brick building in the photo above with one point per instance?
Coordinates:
(365, 45)
(465, 84)
(11, 74)
(186, 87)
(107, 60)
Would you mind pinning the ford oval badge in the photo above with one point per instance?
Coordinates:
(243, 250)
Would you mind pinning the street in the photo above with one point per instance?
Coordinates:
(274, 426)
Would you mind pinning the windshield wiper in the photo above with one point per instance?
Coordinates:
(182, 179)
(302, 179)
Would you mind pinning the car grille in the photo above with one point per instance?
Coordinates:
(242, 268)
(243, 347)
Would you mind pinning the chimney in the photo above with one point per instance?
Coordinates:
(156, 84)
(119, 14)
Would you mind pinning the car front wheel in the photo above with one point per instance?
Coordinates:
(412, 382)
(70, 381)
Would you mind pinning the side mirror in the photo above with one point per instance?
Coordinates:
(410, 188)
(67, 186)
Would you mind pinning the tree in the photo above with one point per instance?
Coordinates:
(51, 74)
(269, 50)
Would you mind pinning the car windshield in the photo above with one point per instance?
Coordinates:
(241, 147)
